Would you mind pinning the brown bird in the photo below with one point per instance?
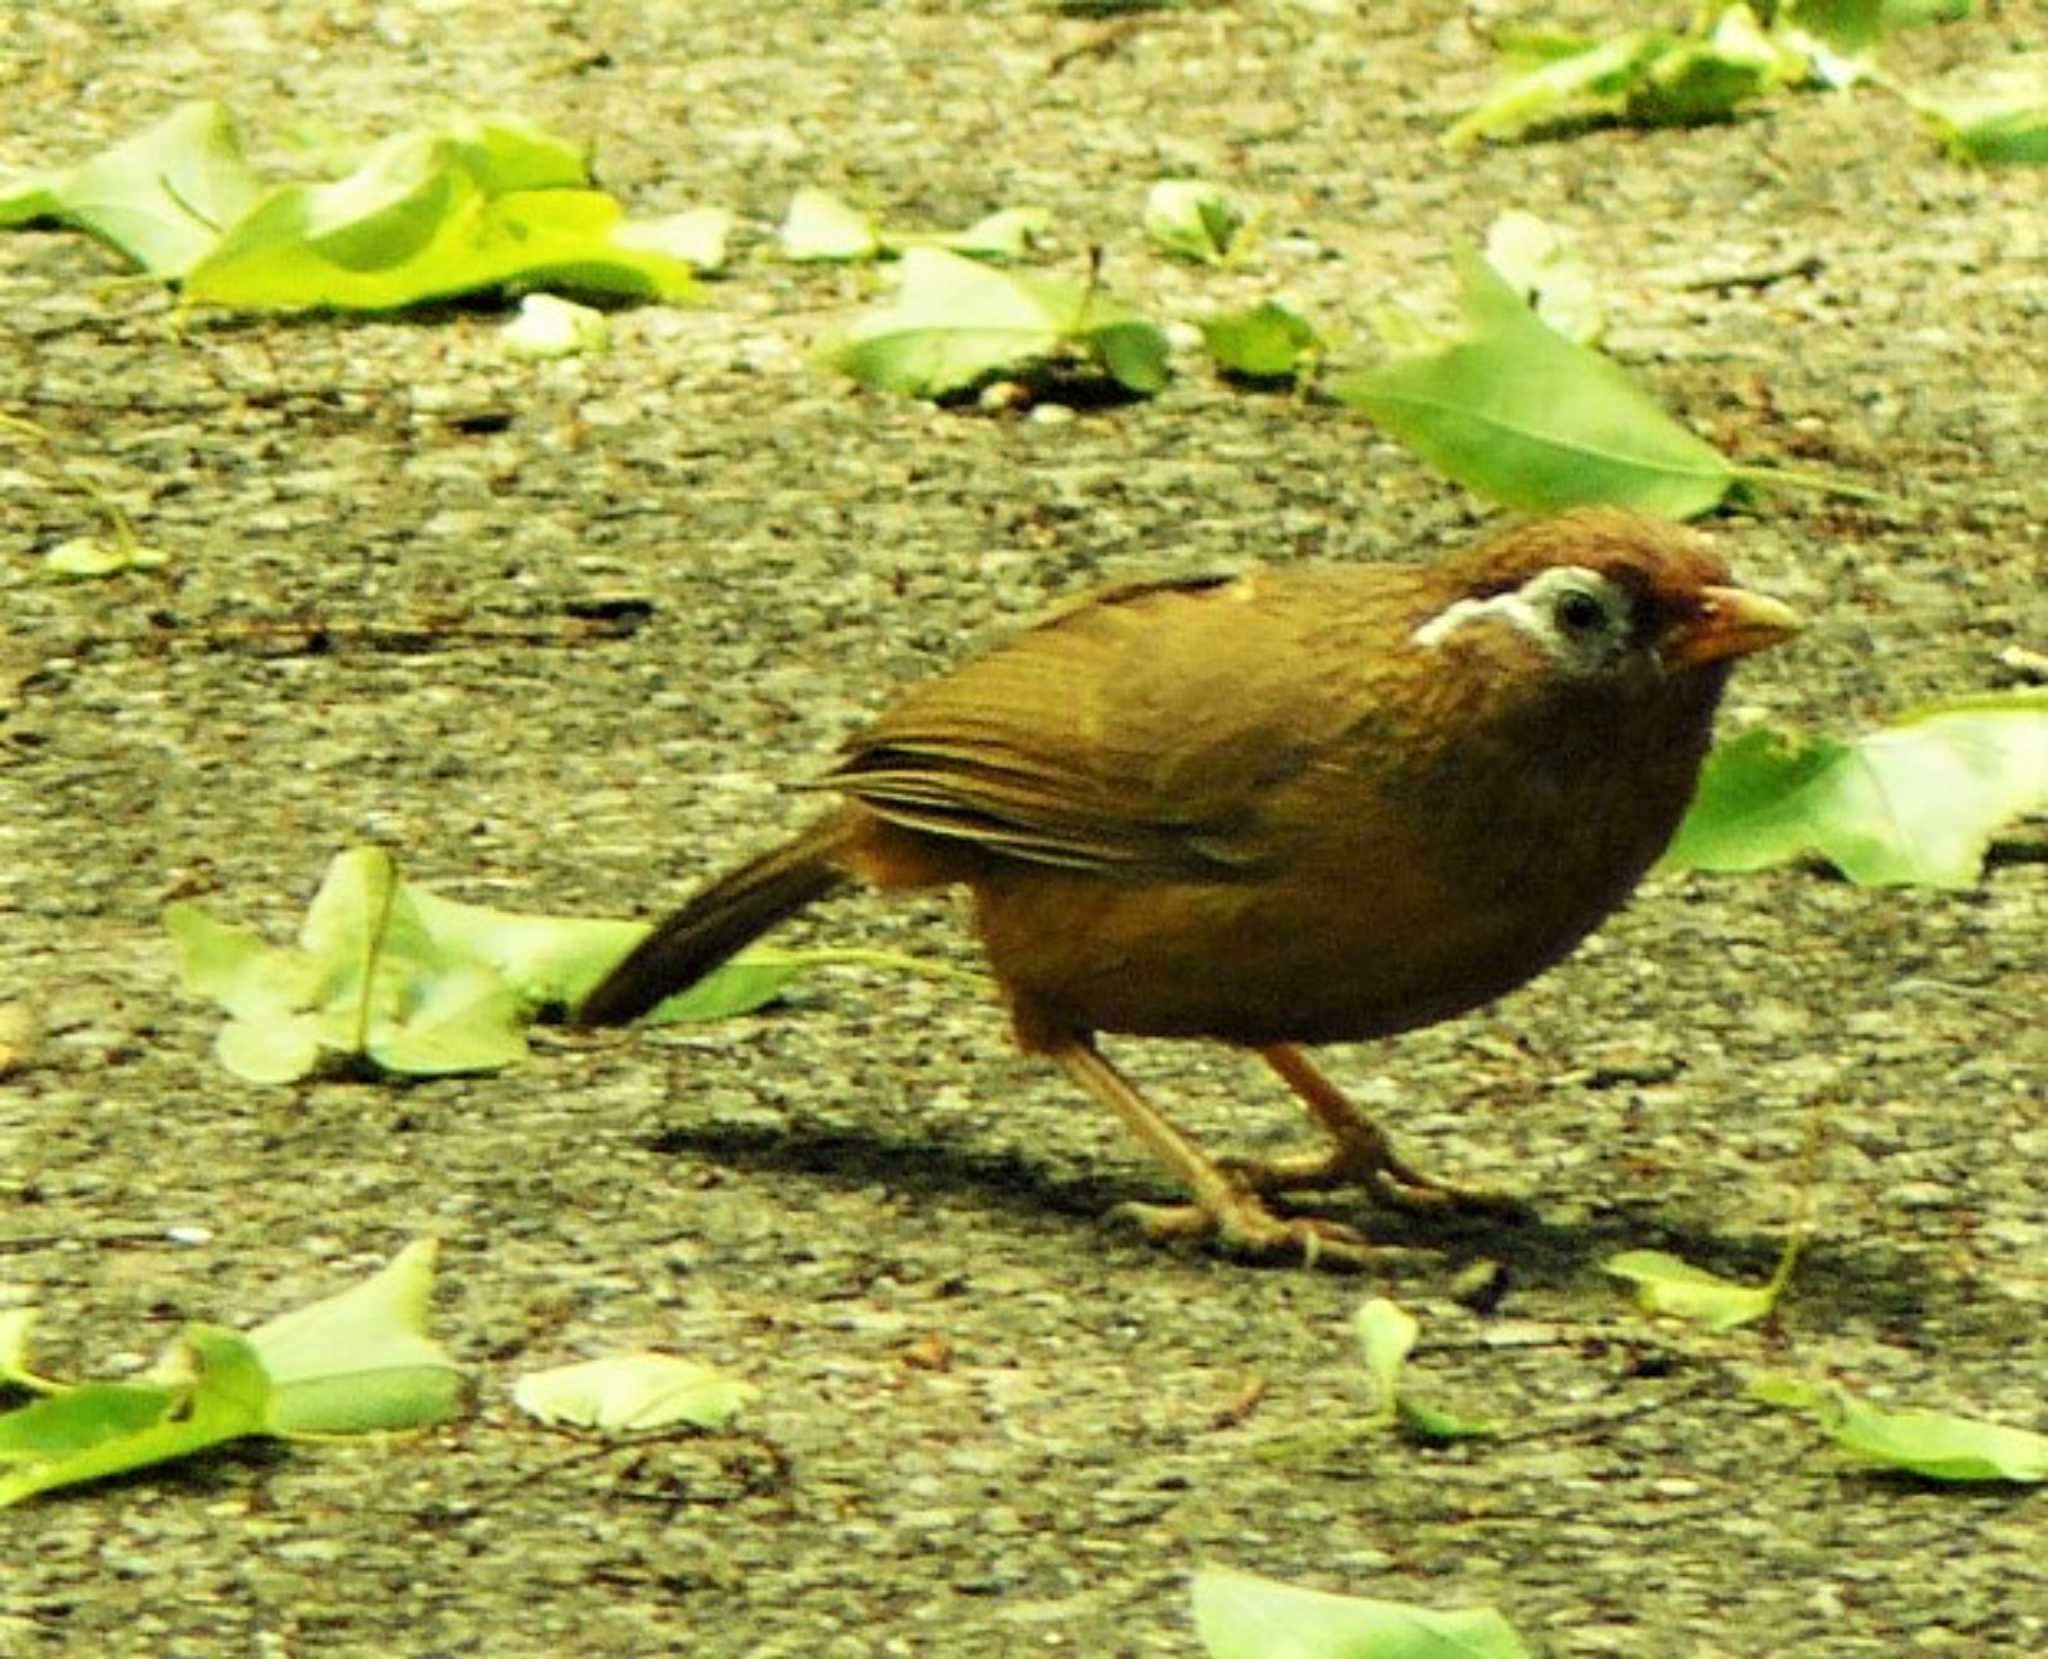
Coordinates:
(1300, 805)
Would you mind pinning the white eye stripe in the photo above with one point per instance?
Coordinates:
(1535, 608)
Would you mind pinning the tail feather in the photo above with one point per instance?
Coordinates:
(732, 912)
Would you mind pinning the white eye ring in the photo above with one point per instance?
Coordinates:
(1579, 618)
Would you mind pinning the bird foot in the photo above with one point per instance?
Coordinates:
(1247, 1228)
(1370, 1162)
(1360, 1154)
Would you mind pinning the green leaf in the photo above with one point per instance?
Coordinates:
(1522, 416)
(80, 1419)
(87, 558)
(15, 1324)
(1421, 1421)
(483, 202)
(1853, 27)
(556, 961)
(1646, 77)
(30, 198)
(162, 198)
(1908, 14)
(1133, 351)
(1243, 1616)
(440, 1015)
(425, 985)
(1915, 803)
(1005, 234)
(552, 961)
(1689, 86)
(955, 322)
(394, 991)
(352, 1363)
(348, 927)
(749, 981)
(1826, 65)
(821, 227)
(1536, 261)
(361, 1360)
(2001, 121)
(102, 1429)
(1938, 1445)
(276, 1048)
(370, 978)
(1266, 342)
(1192, 220)
(697, 236)
(1523, 48)
(1664, 1284)
(270, 1039)
(633, 1392)
(504, 154)
(1695, 81)
(1780, 1389)
(1932, 1444)
(431, 214)
(1593, 79)
(1386, 1334)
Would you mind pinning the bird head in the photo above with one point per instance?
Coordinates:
(1602, 598)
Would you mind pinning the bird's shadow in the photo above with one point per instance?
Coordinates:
(1871, 1281)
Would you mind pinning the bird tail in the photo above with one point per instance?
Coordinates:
(732, 912)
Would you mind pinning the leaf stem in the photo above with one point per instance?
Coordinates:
(896, 961)
(1792, 479)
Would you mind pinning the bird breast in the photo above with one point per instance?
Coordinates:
(1391, 896)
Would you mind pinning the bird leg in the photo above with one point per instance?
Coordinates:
(1361, 1152)
(1225, 1205)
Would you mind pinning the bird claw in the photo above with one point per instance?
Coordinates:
(1425, 1195)
(1247, 1228)
(1391, 1181)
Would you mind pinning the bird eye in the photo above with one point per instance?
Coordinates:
(1581, 613)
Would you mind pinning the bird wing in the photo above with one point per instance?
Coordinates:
(1140, 731)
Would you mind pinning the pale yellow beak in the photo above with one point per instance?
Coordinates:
(1731, 622)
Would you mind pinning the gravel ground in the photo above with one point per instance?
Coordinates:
(990, 1421)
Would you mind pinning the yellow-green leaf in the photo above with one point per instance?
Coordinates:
(101, 1429)
(1521, 415)
(425, 216)
(626, 1393)
(1935, 1445)
(1192, 219)
(1664, 1284)
(163, 197)
(2001, 120)
(955, 322)
(360, 1360)
(1914, 803)
(1244, 1616)
(1386, 1334)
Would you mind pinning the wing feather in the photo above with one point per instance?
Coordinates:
(1140, 731)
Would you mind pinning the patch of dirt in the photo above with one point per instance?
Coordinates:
(990, 1421)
